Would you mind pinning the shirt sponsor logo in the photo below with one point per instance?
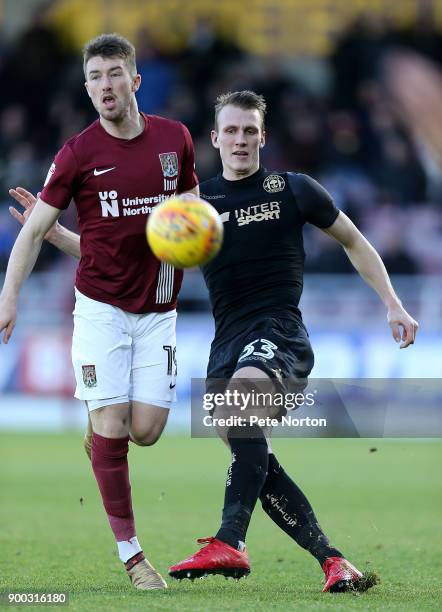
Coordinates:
(261, 212)
(49, 174)
(273, 183)
(89, 376)
(98, 172)
(130, 206)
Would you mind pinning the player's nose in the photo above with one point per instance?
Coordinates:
(241, 140)
(106, 83)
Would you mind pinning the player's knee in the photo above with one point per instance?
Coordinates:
(146, 438)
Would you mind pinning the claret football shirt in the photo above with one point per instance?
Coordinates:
(115, 184)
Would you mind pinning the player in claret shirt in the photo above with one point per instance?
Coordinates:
(123, 347)
(255, 285)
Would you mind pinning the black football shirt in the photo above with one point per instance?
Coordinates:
(259, 269)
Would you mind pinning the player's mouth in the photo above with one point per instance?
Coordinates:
(108, 101)
(241, 154)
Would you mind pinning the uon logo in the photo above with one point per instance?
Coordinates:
(109, 203)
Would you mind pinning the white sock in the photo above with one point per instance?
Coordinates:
(128, 548)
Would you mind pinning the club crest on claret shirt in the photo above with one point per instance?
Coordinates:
(169, 166)
(89, 376)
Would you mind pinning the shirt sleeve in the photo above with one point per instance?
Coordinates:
(188, 178)
(314, 202)
(60, 182)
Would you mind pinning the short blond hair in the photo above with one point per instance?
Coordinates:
(246, 99)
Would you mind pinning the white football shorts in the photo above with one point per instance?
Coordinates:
(119, 356)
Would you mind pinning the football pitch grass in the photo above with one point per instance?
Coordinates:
(381, 507)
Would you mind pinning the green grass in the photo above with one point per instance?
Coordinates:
(383, 509)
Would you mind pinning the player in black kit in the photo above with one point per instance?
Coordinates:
(255, 284)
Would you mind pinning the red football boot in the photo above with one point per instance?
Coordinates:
(215, 558)
(340, 575)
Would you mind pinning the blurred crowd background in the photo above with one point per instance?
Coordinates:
(333, 74)
(354, 92)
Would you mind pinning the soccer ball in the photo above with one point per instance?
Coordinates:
(184, 232)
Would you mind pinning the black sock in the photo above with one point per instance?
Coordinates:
(289, 508)
(245, 478)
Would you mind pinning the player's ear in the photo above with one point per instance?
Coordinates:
(136, 83)
(263, 139)
(214, 137)
(87, 89)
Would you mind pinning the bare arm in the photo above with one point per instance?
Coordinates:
(66, 240)
(22, 260)
(192, 192)
(59, 236)
(368, 263)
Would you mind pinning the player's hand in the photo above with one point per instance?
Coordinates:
(403, 327)
(8, 317)
(28, 200)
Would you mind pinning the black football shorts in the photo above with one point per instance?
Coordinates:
(279, 347)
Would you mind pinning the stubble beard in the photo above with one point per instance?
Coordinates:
(117, 115)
